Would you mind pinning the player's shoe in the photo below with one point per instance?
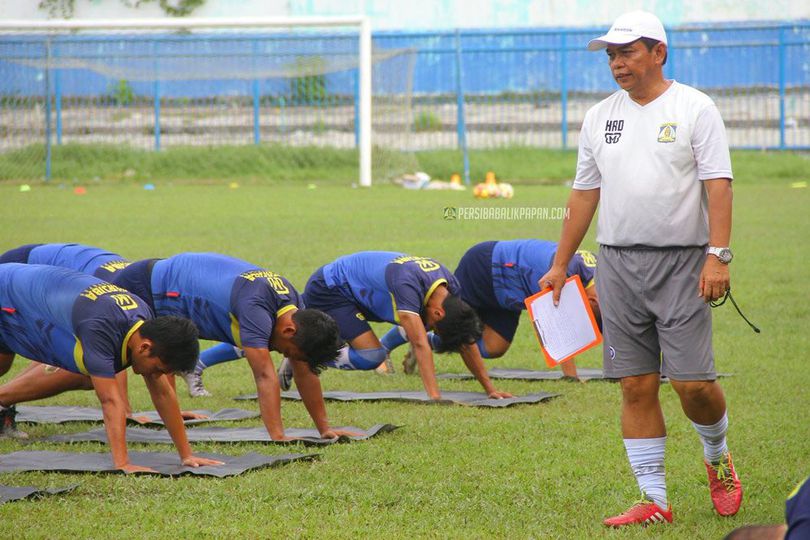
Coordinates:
(386, 368)
(195, 385)
(8, 424)
(285, 374)
(409, 362)
(644, 512)
(725, 486)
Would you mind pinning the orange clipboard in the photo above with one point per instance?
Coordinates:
(589, 335)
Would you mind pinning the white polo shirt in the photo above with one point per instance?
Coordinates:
(649, 162)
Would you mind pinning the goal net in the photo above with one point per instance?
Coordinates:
(212, 99)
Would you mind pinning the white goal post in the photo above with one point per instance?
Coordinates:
(364, 58)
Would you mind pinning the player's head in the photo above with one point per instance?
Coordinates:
(169, 345)
(757, 532)
(308, 335)
(458, 326)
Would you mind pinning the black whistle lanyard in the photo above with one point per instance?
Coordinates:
(728, 296)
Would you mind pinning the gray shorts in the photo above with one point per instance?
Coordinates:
(653, 319)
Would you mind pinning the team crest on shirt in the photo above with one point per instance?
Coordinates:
(666, 132)
(124, 301)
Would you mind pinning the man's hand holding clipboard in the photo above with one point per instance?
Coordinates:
(563, 321)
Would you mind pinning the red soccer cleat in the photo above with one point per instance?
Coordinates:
(725, 486)
(642, 513)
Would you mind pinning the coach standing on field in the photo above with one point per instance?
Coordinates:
(655, 155)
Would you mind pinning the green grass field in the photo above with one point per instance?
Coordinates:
(540, 471)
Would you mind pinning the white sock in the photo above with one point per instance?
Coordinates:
(647, 461)
(713, 438)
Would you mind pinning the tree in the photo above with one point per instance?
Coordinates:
(174, 8)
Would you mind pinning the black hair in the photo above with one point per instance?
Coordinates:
(317, 336)
(460, 325)
(175, 341)
(650, 43)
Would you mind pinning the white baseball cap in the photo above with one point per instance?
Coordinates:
(630, 27)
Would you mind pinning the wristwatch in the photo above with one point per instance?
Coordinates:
(723, 254)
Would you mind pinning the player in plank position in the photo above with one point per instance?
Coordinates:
(495, 278)
(95, 330)
(246, 307)
(416, 293)
(89, 260)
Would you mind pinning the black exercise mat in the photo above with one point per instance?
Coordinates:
(584, 374)
(9, 493)
(473, 399)
(165, 463)
(225, 434)
(59, 415)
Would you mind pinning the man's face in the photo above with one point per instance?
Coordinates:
(148, 366)
(633, 66)
(284, 344)
(431, 317)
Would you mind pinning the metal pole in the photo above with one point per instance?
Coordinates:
(57, 97)
(357, 111)
(256, 101)
(48, 128)
(461, 125)
(782, 62)
(564, 91)
(157, 100)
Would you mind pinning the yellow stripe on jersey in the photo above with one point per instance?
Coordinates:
(286, 309)
(432, 288)
(591, 283)
(78, 357)
(797, 488)
(394, 306)
(124, 356)
(237, 339)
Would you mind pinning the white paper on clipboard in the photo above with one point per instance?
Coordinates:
(567, 328)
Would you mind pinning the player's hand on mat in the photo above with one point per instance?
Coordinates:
(139, 419)
(194, 461)
(189, 415)
(130, 468)
(497, 394)
(335, 433)
(282, 438)
(554, 279)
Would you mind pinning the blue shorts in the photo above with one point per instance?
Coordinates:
(474, 273)
(350, 319)
(18, 255)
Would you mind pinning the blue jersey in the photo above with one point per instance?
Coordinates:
(518, 264)
(228, 299)
(384, 282)
(797, 512)
(67, 319)
(90, 260)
